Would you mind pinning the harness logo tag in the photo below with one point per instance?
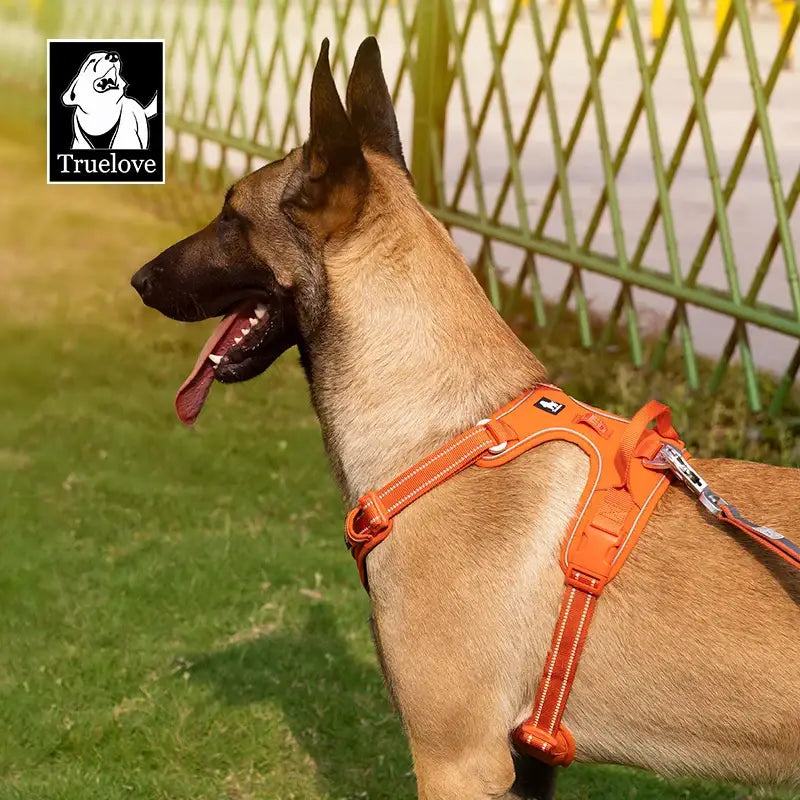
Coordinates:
(550, 406)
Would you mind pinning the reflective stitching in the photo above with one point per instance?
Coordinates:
(596, 480)
(575, 646)
(519, 402)
(598, 411)
(552, 663)
(422, 486)
(423, 464)
(452, 467)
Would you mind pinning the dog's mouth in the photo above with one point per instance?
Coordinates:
(243, 345)
(107, 81)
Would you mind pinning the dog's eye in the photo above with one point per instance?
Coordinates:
(227, 229)
(228, 225)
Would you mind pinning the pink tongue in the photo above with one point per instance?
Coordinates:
(192, 395)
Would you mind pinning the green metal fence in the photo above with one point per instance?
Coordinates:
(645, 187)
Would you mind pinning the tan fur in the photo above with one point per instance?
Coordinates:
(692, 661)
(691, 665)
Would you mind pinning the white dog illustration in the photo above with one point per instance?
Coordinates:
(104, 118)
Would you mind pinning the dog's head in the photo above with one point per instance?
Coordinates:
(98, 87)
(260, 263)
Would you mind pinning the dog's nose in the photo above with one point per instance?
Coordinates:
(142, 282)
(112, 56)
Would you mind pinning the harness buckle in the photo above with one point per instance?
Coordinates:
(585, 581)
(556, 749)
(372, 505)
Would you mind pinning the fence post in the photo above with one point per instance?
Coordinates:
(431, 90)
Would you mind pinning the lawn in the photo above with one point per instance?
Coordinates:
(180, 618)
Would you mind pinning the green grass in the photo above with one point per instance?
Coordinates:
(180, 618)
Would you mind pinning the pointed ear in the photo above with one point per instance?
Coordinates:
(333, 177)
(369, 104)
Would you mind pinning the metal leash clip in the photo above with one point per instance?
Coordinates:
(669, 456)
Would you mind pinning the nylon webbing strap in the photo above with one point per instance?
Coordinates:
(543, 731)
(767, 537)
(371, 520)
(604, 528)
(394, 497)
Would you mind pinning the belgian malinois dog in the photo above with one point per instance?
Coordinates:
(692, 665)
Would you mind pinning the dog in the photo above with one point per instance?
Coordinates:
(104, 117)
(691, 666)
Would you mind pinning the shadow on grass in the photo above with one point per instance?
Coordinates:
(334, 703)
(336, 708)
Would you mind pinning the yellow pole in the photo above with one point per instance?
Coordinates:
(785, 9)
(658, 18)
(719, 17)
(620, 21)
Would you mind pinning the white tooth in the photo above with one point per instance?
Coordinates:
(261, 309)
(245, 331)
(237, 339)
(215, 358)
(253, 321)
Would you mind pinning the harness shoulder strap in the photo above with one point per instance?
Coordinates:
(370, 522)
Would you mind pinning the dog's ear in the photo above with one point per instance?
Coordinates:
(68, 98)
(369, 104)
(333, 178)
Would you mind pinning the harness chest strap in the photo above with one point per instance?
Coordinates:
(628, 474)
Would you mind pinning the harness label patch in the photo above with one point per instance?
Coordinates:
(105, 111)
(550, 406)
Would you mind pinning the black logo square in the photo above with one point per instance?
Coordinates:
(105, 111)
(550, 406)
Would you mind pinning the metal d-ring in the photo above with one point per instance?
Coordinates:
(496, 448)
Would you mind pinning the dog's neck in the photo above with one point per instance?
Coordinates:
(411, 351)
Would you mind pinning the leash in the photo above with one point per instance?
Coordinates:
(630, 468)
(722, 510)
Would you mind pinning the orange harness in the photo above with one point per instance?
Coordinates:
(630, 465)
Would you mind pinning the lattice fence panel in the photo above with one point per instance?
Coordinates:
(635, 165)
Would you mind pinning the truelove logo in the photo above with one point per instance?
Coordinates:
(548, 405)
(105, 111)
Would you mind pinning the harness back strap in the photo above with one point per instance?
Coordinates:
(630, 465)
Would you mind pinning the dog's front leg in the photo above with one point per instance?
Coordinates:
(458, 689)
(458, 734)
(483, 770)
(477, 769)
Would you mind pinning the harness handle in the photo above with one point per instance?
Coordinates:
(652, 411)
